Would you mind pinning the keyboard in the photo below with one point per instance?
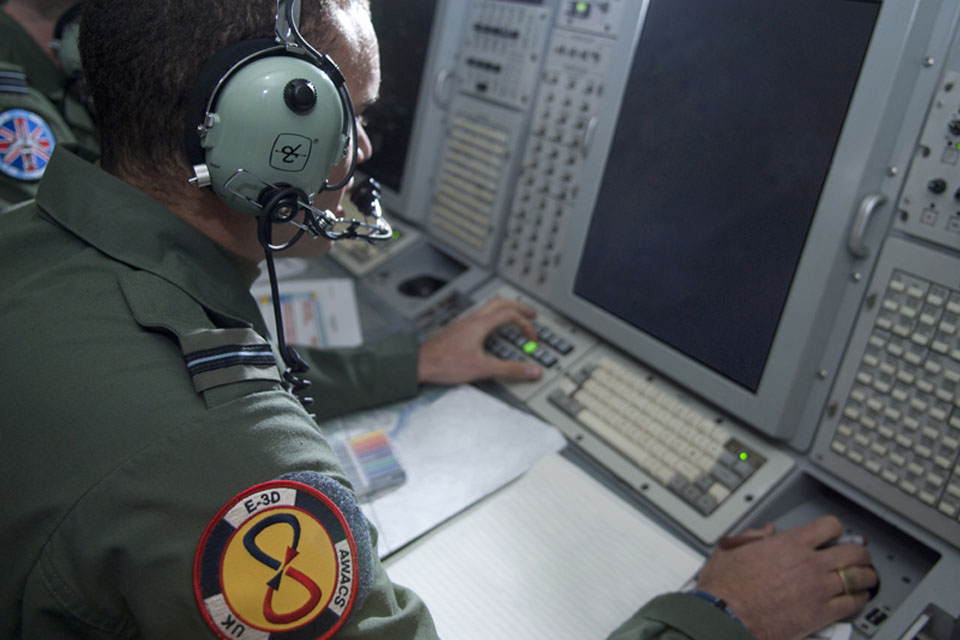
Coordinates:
(510, 343)
(893, 428)
(558, 345)
(701, 469)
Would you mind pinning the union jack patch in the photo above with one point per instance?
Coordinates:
(26, 142)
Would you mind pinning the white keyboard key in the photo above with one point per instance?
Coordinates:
(718, 492)
(942, 462)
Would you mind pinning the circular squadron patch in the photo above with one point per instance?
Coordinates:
(26, 142)
(278, 562)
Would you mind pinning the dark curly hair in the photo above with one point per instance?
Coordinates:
(141, 59)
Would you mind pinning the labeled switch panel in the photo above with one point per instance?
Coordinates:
(572, 88)
(501, 52)
(930, 205)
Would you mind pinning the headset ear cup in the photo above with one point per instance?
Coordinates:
(209, 76)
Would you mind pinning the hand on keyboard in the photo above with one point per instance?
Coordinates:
(456, 355)
(782, 587)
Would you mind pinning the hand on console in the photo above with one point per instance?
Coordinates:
(785, 586)
(455, 355)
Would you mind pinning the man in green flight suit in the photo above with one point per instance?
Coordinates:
(41, 97)
(159, 480)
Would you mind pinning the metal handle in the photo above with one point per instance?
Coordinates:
(588, 134)
(440, 84)
(868, 206)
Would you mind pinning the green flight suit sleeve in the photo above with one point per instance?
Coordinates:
(121, 564)
(17, 95)
(344, 381)
(677, 616)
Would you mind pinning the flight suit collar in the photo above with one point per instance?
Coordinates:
(132, 227)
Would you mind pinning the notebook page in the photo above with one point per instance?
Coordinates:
(553, 556)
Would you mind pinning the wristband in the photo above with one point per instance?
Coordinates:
(715, 601)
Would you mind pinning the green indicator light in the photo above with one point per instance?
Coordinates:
(583, 7)
(530, 347)
(743, 456)
(396, 234)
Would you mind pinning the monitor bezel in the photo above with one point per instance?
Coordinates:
(796, 360)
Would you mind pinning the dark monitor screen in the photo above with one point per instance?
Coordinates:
(725, 136)
(403, 29)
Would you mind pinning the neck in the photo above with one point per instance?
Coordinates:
(204, 211)
(39, 26)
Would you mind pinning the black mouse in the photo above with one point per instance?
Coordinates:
(421, 286)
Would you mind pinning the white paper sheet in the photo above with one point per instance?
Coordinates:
(318, 313)
(456, 446)
(553, 556)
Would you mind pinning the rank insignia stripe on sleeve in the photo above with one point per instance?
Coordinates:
(26, 142)
(216, 357)
(278, 562)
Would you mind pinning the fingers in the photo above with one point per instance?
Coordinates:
(498, 304)
(499, 312)
(854, 585)
(818, 532)
(845, 555)
(854, 579)
(750, 535)
(514, 370)
(844, 606)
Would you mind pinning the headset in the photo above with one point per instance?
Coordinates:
(66, 37)
(267, 120)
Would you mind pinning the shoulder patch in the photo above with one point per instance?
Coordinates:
(26, 142)
(277, 562)
(216, 357)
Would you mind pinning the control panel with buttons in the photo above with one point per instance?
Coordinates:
(558, 344)
(572, 87)
(501, 52)
(930, 205)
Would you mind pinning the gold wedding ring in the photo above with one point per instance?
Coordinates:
(846, 580)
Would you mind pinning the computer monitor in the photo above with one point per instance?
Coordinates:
(715, 216)
(404, 31)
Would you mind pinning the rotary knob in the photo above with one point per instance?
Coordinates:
(300, 96)
(937, 185)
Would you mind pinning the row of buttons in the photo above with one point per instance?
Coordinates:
(901, 420)
(520, 344)
(690, 454)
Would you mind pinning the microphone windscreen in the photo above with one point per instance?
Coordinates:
(344, 499)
